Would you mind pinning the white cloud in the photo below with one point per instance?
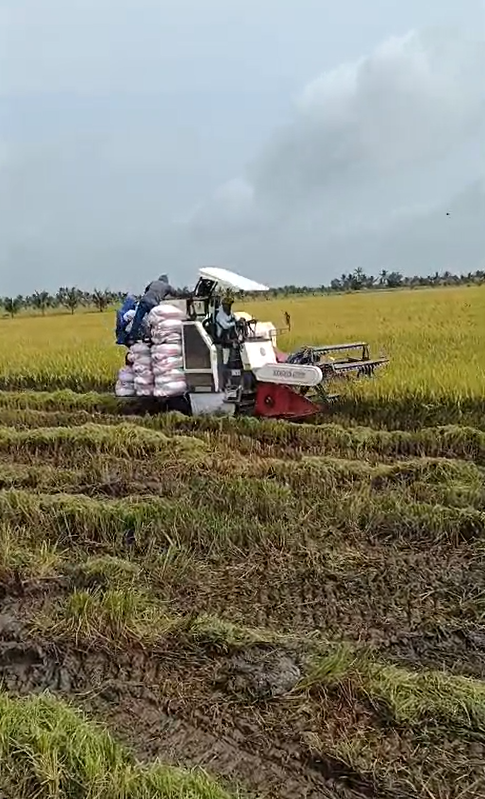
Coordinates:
(361, 132)
(232, 206)
(97, 189)
(95, 47)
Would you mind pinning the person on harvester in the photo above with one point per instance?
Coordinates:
(226, 333)
(123, 318)
(155, 293)
(225, 320)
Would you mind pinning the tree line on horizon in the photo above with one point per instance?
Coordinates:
(72, 298)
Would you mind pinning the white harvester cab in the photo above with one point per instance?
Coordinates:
(205, 360)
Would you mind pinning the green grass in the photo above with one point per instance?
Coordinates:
(29, 555)
(406, 697)
(113, 617)
(50, 751)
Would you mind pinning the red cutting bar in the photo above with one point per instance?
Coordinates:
(276, 401)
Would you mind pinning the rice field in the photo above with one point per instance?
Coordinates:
(227, 608)
(434, 337)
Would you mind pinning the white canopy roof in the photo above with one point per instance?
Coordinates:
(231, 280)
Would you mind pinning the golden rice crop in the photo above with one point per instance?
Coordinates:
(33, 408)
(432, 337)
(59, 351)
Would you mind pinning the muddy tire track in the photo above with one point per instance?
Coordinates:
(146, 701)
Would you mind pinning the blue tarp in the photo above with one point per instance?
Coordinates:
(128, 305)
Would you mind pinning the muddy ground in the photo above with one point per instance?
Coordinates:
(234, 713)
(236, 710)
(219, 712)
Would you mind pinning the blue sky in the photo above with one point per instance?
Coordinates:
(139, 137)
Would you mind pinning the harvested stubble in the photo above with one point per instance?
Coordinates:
(421, 499)
(402, 412)
(156, 522)
(450, 482)
(364, 534)
(121, 441)
(248, 437)
(202, 516)
(29, 419)
(403, 721)
(326, 571)
(252, 436)
(116, 617)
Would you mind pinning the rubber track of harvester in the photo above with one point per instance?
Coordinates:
(246, 406)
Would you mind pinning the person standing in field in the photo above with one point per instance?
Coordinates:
(155, 293)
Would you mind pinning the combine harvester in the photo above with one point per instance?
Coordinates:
(254, 378)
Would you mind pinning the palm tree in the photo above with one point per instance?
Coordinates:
(69, 298)
(383, 277)
(41, 300)
(100, 299)
(12, 305)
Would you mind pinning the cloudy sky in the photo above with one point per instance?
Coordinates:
(290, 140)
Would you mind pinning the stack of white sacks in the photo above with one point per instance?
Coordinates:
(125, 385)
(135, 379)
(165, 322)
(142, 367)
